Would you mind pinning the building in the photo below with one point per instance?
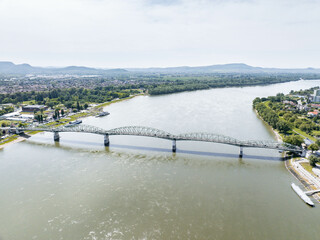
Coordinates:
(32, 108)
(313, 114)
(6, 105)
(316, 96)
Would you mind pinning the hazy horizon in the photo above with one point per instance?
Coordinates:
(147, 67)
(160, 33)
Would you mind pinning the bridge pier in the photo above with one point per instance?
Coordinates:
(56, 136)
(106, 140)
(241, 152)
(174, 145)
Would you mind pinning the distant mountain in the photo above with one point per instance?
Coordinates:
(11, 68)
(223, 68)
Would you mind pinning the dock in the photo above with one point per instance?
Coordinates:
(303, 195)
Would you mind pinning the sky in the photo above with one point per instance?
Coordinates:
(160, 33)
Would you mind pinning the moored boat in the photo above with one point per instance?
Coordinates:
(73, 123)
(102, 114)
(302, 195)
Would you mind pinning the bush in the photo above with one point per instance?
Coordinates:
(313, 160)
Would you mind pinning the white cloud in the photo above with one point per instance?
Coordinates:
(128, 33)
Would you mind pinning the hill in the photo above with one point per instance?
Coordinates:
(11, 68)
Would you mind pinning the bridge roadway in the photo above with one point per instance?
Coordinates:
(153, 132)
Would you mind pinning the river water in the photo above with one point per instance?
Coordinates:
(138, 189)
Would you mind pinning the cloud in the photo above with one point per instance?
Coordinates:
(130, 33)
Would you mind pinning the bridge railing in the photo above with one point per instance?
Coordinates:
(153, 132)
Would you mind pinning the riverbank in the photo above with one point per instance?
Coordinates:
(12, 141)
(94, 111)
(309, 180)
(275, 132)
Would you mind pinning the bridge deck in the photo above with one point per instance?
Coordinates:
(153, 132)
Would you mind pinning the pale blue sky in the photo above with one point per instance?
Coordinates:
(160, 33)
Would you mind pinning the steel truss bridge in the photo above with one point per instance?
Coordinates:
(153, 132)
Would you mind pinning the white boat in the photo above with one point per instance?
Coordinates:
(103, 114)
(71, 124)
(302, 195)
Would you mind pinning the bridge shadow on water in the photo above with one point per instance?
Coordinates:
(166, 150)
(200, 153)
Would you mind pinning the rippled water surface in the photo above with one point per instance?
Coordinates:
(138, 189)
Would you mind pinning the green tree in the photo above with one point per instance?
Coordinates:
(313, 160)
(287, 116)
(297, 123)
(294, 140)
(305, 127)
(283, 126)
(68, 104)
(256, 101)
(313, 147)
(292, 119)
(78, 106)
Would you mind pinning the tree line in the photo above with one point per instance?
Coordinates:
(6, 110)
(70, 97)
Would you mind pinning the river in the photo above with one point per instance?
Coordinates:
(138, 189)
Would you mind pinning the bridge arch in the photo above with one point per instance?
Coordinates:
(153, 132)
(208, 137)
(141, 131)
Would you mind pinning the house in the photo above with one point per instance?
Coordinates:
(32, 108)
(315, 105)
(313, 114)
(316, 96)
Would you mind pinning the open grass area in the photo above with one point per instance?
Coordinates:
(32, 102)
(316, 133)
(9, 139)
(27, 113)
(307, 167)
(297, 130)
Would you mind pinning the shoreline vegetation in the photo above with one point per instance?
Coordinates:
(289, 115)
(103, 89)
(298, 170)
(62, 121)
(290, 120)
(275, 132)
